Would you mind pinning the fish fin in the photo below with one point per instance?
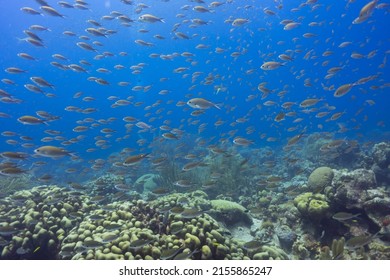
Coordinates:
(73, 154)
(218, 106)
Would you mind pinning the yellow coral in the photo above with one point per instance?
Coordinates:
(312, 205)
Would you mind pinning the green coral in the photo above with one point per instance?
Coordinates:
(336, 252)
(264, 201)
(320, 178)
(267, 225)
(270, 253)
(10, 184)
(299, 251)
(230, 212)
(206, 253)
(147, 182)
(317, 207)
(313, 206)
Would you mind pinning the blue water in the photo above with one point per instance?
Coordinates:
(260, 40)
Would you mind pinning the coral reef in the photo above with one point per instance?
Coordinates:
(230, 212)
(150, 232)
(379, 251)
(358, 189)
(330, 213)
(270, 253)
(37, 220)
(286, 237)
(335, 252)
(104, 184)
(10, 184)
(305, 247)
(381, 162)
(312, 206)
(146, 183)
(57, 223)
(320, 178)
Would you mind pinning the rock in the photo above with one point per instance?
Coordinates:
(286, 237)
(381, 158)
(358, 190)
(382, 174)
(381, 154)
(350, 188)
(320, 178)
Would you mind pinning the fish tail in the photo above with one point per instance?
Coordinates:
(73, 154)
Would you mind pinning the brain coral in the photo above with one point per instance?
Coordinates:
(320, 178)
(230, 212)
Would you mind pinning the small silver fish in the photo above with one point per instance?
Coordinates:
(343, 216)
(201, 103)
(360, 241)
(150, 18)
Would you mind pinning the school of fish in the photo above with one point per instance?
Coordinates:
(91, 79)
